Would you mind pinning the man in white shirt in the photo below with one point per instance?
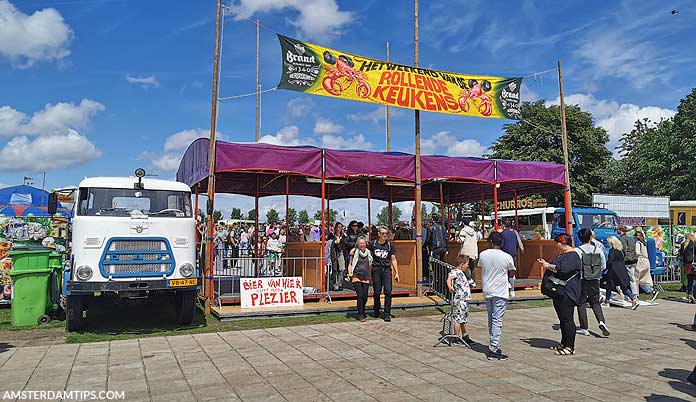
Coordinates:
(496, 267)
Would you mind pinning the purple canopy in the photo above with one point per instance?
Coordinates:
(264, 170)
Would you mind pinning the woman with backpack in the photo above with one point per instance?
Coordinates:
(617, 276)
(593, 264)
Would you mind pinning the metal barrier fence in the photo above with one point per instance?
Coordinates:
(673, 271)
(439, 270)
(229, 269)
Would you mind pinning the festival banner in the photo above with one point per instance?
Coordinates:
(271, 292)
(318, 70)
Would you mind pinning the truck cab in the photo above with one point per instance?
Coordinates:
(131, 238)
(603, 222)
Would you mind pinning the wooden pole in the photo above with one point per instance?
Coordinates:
(388, 120)
(564, 136)
(256, 222)
(258, 95)
(417, 190)
(211, 165)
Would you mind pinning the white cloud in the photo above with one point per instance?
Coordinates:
(314, 19)
(58, 145)
(48, 152)
(326, 126)
(376, 116)
(10, 120)
(145, 82)
(288, 135)
(338, 142)
(174, 147)
(616, 118)
(445, 142)
(62, 116)
(299, 107)
(27, 39)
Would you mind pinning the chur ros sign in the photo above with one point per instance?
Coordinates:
(318, 70)
(271, 292)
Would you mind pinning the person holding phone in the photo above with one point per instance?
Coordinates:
(384, 262)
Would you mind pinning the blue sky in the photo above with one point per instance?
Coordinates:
(100, 87)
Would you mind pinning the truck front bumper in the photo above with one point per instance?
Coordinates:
(143, 285)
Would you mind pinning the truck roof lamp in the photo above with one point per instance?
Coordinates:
(139, 173)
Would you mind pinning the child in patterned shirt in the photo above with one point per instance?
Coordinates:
(458, 285)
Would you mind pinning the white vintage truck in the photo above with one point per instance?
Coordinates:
(131, 238)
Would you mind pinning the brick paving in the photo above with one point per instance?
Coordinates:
(647, 357)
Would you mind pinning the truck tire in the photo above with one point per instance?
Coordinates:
(74, 318)
(185, 306)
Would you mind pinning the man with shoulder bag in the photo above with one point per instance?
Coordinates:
(630, 256)
(593, 265)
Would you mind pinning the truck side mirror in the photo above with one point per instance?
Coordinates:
(52, 203)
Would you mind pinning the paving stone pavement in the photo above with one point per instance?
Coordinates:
(647, 357)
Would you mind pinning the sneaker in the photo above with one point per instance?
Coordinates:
(468, 340)
(654, 295)
(362, 318)
(387, 317)
(635, 304)
(497, 355)
(582, 331)
(605, 330)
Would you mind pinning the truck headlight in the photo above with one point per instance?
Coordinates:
(83, 272)
(186, 270)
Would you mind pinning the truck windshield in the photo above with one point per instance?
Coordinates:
(132, 202)
(596, 221)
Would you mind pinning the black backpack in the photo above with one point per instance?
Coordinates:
(591, 264)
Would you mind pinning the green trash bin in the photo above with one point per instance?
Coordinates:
(55, 263)
(29, 296)
(29, 259)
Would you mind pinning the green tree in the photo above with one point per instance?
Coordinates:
(383, 216)
(537, 137)
(332, 216)
(658, 157)
(236, 213)
(303, 217)
(291, 216)
(251, 215)
(272, 216)
(217, 216)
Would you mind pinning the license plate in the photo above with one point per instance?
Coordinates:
(173, 283)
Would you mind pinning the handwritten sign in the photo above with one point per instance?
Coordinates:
(271, 292)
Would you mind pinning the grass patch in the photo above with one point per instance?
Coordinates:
(6, 321)
(671, 291)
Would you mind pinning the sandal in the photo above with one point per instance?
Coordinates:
(564, 351)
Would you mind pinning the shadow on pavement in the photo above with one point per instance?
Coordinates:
(540, 343)
(690, 342)
(685, 327)
(4, 347)
(663, 398)
(682, 385)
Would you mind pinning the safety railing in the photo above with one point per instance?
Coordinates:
(229, 268)
(672, 270)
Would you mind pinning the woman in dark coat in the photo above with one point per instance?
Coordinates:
(617, 274)
(567, 268)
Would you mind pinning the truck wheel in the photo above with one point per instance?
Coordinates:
(74, 318)
(185, 307)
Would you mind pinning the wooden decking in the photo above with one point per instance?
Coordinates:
(235, 312)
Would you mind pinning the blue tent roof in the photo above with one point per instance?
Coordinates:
(26, 200)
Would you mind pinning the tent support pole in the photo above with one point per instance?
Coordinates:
(495, 204)
(323, 221)
(442, 206)
(517, 220)
(256, 222)
(369, 211)
(287, 205)
(417, 172)
(483, 212)
(390, 208)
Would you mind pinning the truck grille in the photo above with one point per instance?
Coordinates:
(136, 257)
